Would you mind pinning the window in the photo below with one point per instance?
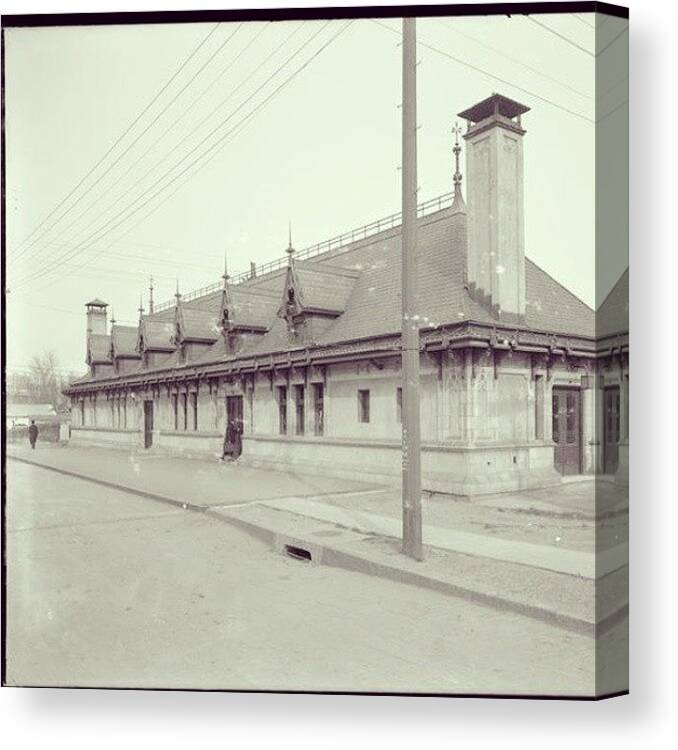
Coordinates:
(318, 409)
(539, 407)
(175, 409)
(363, 406)
(299, 403)
(570, 418)
(555, 424)
(399, 405)
(82, 413)
(124, 411)
(282, 409)
(184, 399)
(112, 413)
(250, 407)
(194, 399)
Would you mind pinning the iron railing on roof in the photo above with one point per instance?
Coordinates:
(326, 246)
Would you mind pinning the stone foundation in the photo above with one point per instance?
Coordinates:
(453, 470)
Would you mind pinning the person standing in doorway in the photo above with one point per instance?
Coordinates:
(33, 433)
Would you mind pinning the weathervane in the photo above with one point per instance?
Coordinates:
(457, 150)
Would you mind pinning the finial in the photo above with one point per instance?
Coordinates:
(177, 294)
(457, 173)
(290, 249)
(150, 297)
(225, 275)
(112, 316)
(141, 304)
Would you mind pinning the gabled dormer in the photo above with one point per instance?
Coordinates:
(245, 314)
(123, 350)
(99, 354)
(155, 335)
(314, 295)
(195, 329)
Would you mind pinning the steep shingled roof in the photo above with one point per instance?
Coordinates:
(360, 283)
(124, 341)
(252, 308)
(613, 314)
(99, 348)
(198, 325)
(321, 287)
(157, 331)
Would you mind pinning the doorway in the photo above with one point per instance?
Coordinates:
(148, 424)
(611, 403)
(234, 426)
(567, 430)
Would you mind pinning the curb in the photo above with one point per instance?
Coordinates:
(114, 486)
(325, 554)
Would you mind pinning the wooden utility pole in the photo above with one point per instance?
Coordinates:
(411, 464)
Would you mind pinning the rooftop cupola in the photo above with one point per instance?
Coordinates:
(96, 317)
(496, 235)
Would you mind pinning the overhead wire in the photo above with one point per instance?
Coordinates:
(147, 128)
(560, 36)
(122, 136)
(453, 27)
(177, 145)
(93, 236)
(487, 73)
(219, 143)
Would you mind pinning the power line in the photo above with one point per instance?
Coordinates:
(179, 143)
(583, 20)
(120, 138)
(150, 125)
(560, 36)
(490, 75)
(154, 144)
(612, 41)
(66, 256)
(513, 59)
(220, 141)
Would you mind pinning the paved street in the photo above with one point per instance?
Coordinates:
(107, 588)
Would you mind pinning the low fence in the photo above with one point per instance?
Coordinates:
(49, 431)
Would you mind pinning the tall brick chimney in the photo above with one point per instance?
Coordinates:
(96, 317)
(496, 235)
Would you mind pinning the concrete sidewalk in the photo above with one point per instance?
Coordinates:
(567, 587)
(559, 560)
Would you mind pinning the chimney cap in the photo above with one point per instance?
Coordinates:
(495, 104)
(96, 302)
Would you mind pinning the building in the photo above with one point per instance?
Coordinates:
(297, 363)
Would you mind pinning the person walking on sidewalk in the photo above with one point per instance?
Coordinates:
(33, 433)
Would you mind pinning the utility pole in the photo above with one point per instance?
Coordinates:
(411, 462)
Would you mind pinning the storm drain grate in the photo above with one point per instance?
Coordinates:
(298, 553)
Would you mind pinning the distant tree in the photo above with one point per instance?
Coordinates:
(43, 383)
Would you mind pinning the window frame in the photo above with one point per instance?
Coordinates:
(364, 405)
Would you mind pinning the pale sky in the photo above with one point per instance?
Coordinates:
(323, 153)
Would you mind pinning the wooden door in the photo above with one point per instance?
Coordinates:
(148, 424)
(611, 430)
(567, 430)
(234, 426)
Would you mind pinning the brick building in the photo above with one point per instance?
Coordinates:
(297, 363)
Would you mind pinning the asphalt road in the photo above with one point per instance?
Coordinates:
(109, 589)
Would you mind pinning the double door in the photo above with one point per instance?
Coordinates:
(567, 429)
(234, 426)
(611, 405)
